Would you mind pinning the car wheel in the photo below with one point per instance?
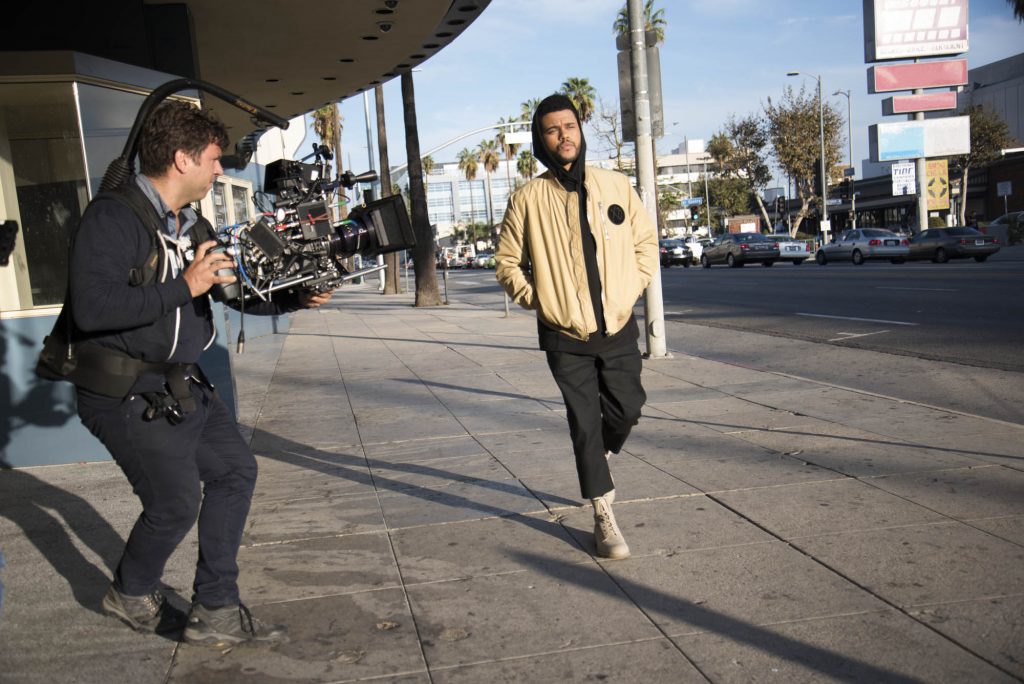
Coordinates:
(704, 261)
(858, 258)
(666, 264)
(686, 264)
(797, 262)
(981, 257)
(730, 261)
(940, 256)
(821, 258)
(766, 264)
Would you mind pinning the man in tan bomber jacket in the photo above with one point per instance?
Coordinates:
(578, 247)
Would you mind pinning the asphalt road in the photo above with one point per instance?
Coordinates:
(947, 335)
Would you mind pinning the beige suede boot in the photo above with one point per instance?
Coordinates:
(607, 537)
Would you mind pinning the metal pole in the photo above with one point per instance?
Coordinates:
(654, 310)
(373, 167)
(707, 197)
(849, 135)
(922, 181)
(821, 131)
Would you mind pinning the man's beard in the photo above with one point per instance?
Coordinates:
(557, 154)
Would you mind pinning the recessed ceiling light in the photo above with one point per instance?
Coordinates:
(346, 60)
(273, 80)
(456, 22)
(370, 38)
(329, 78)
(417, 57)
(430, 46)
(384, 11)
(444, 34)
(298, 92)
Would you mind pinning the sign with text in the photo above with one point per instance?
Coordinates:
(904, 179)
(937, 172)
(914, 139)
(925, 102)
(1004, 188)
(900, 29)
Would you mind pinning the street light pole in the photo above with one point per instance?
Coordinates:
(849, 135)
(821, 133)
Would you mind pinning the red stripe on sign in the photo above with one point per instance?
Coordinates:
(937, 74)
(926, 102)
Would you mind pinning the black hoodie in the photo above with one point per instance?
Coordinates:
(572, 180)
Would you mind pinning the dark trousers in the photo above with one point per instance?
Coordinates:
(199, 468)
(603, 398)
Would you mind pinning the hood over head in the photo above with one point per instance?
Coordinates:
(572, 178)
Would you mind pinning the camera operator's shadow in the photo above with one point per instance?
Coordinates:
(353, 467)
(38, 507)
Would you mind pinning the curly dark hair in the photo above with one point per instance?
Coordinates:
(173, 126)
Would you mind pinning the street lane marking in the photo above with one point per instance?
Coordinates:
(920, 289)
(853, 318)
(850, 336)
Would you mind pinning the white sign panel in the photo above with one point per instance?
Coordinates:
(904, 179)
(898, 29)
(1004, 188)
(929, 138)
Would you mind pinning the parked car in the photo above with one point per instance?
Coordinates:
(1014, 218)
(674, 252)
(862, 244)
(794, 251)
(696, 245)
(483, 260)
(738, 249)
(959, 242)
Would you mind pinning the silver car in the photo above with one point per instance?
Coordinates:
(863, 244)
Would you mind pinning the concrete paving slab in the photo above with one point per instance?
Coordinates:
(814, 508)
(544, 609)
(319, 567)
(656, 660)
(539, 464)
(439, 472)
(1010, 528)
(275, 436)
(992, 628)
(924, 564)
(402, 424)
(516, 441)
(722, 589)
(313, 481)
(871, 647)
(332, 639)
(666, 527)
(313, 517)
(492, 416)
(744, 472)
(481, 547)
(458, 501)
(424, 449)
(964, 493)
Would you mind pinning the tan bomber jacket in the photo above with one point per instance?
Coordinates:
(539, 260)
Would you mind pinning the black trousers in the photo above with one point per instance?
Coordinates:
(603, 399)
(199, 468)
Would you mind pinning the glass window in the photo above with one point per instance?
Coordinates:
(240, 200)
(45, 166)
(220, 207)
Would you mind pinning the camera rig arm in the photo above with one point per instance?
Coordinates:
(121, 168)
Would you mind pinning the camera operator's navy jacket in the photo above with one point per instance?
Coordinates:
(157, 322)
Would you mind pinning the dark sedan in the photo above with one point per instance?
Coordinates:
(959, 242)
(674, 252)
(737, 249)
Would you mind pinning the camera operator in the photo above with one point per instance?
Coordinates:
(173, 438)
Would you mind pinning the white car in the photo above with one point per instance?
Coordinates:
(696, 245)
(794, 251)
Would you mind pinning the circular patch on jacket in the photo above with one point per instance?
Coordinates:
(616, 214)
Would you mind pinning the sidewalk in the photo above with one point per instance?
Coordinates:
(417, 519)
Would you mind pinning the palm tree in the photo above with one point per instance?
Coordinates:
(509, 150)
(1018, 9)
(428, 167)
(327, 126)
(427, 293)
(468, 163)
(582, 95)
(527, 108)
(489, 158)
(526, 165)
(653, 21)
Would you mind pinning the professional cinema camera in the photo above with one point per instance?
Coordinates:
(301, 241)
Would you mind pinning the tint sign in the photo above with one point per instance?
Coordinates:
(902, 29)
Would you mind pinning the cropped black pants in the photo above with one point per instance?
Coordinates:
(603, 399)
(200, 468)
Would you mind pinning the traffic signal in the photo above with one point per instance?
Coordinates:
(844, 189)
(780, 205)
(695, 213)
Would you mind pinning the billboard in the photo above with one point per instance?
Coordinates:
(902, 29)
(915, 139)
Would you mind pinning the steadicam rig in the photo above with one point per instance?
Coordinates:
(301, 242)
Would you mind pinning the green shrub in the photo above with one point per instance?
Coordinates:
(936, 222)
(1016, 231)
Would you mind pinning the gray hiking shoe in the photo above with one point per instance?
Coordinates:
(229, 625)
(607, 537)
(149, 613)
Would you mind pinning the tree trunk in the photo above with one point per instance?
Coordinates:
(391, 274)
(764, 212)
(427, 293)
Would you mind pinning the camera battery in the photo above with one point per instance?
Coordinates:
(315, 219)
(267, 239)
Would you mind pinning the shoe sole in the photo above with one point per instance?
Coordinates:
(225, 640)
(115, 611)
(607, 555)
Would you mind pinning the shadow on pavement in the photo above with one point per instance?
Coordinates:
(838, 665)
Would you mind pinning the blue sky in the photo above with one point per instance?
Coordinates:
(719, 58)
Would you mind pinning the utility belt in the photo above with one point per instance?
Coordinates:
(112, 373)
